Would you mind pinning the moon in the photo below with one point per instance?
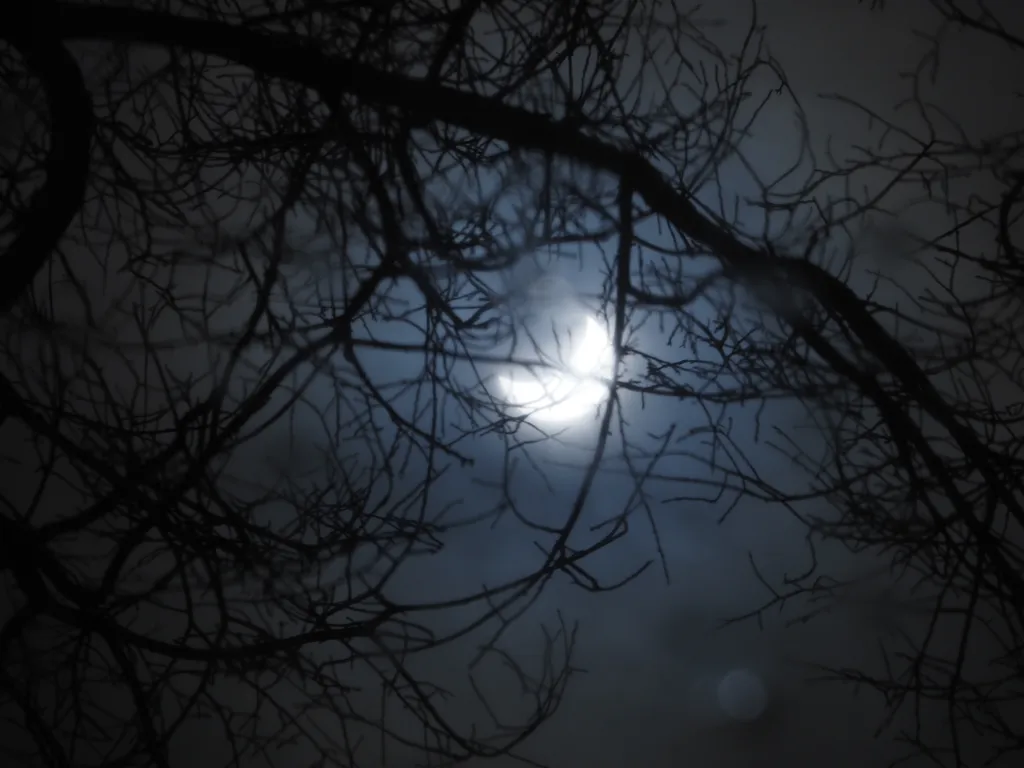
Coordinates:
(564, 396)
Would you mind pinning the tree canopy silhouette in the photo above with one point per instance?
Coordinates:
(290, 223)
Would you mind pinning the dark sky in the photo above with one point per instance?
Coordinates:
(652, 651)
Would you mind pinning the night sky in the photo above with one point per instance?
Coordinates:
(652, 654)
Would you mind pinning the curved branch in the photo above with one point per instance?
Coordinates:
(54, 206)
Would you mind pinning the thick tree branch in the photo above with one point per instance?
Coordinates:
(67, 163)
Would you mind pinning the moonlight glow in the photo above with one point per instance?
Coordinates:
(563, 396)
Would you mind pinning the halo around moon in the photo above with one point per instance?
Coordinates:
(553, 396)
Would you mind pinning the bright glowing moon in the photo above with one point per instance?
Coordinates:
(558, 397)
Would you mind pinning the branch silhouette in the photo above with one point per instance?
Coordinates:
(255, 298)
